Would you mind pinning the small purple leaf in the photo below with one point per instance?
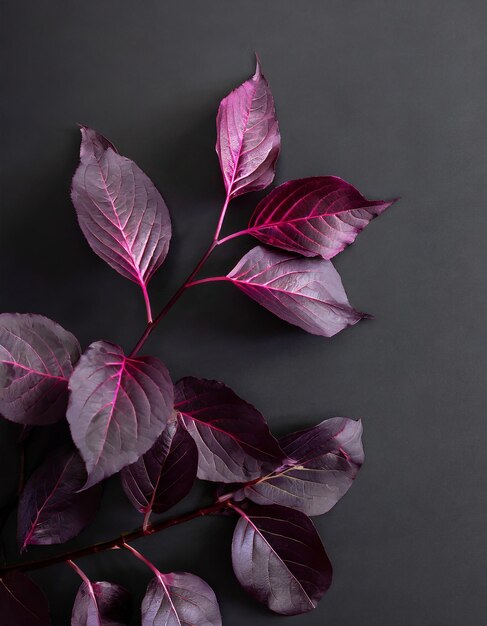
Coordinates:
(180, 599)
(118, 407)
(316, 216)
(165, 474)
(324, 461)
(101, 604)
(51, 510)
(22, 603)
(248, 139)
(37, 357)
(279, 559)
(234, 442)
(120, 212)
(305, 292)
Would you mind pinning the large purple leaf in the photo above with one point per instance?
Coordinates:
(248, 139)
(234, 442)
(305, 292)
(22, 603)
(279, 559)
(323, 462)
(164, 474)
(36, 360)
(118, 407)
(101, 604)
(180, 599)
(316, 216)
(51, 510)
(120, 212)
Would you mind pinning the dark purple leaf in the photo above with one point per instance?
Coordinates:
(324, 460)
(180, 599)
(118, 407)
(22, 603)
(51, 510)
(316, 216)
(101, 604)
(164, 474)
(36, 360)
(233, 439)
(121, 213)
(279, 559)
(248, 139)
(305, 292)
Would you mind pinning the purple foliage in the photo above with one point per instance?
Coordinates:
(164, 474)
(316, 216)
(51, 509)
(305, 292)
(279, 559)
(36, 360)
(22, 603)
(118, 407)
(101, 604)
(180, 599)
(233, 439)
(248, 140)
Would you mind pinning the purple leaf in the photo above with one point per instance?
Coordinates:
(117, 409)
(234, 442)
(279, 559)
(22, 603)
(120, 212)
(51, 510)
(180, 599)
(248, 139)
(305, 292)
(101, 604)
(324, 460)
(164, 474)
(316, 216)
(36, 360)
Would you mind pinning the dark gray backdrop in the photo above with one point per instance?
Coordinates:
(392, 97)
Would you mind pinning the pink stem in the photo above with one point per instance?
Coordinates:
(80, 572)
(142, 558)
(211, 279)
(239, 233)
(147, 303)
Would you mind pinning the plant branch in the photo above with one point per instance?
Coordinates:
(175, 297)
(117, 542)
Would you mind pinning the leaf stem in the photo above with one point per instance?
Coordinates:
(211, 279)
(117, 542)
(151, 325)
(147, 303)
(142, 558)
(239, 233)
(80, 572)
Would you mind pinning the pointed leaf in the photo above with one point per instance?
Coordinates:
(248, 139)
(232, 437)
(118, 407)
(279, 559)
(305, 292)
(165, 474)
(22, 603)
(120, 212)
(180, 599)
(51, 510)
(36, 360)
(324, 461)
(316, 216)
(101, 604)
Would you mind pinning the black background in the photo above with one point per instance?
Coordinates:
(392, 97)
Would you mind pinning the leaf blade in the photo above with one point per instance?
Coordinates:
(232, 436)
(37, 357)
(22, 602)
(165, 474)
(304, 292)
(316, 216)
(117, 408)
(248, 140)
(324, 461)
(274, 551)
(178, 599)
(122, 215)
(101, 604)
(51, 510)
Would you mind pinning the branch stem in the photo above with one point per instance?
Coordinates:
(117, 542)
